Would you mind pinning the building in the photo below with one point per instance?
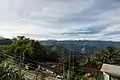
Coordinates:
(91, 70)
(111, 72)
(51, 67)
(90, 73)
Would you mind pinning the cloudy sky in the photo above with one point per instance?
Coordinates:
(61, 19)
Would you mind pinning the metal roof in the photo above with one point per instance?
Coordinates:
(112, 70)
(91, 70)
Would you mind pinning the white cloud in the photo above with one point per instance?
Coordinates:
(49, 19)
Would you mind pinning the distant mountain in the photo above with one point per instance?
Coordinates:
(82, 46)
(78, 46)
(1, 37)
(5, 41)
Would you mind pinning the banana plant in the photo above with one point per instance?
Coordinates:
(9, 73)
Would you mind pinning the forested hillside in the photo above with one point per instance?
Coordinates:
(25, 51)
(83, 46)
(78, 46)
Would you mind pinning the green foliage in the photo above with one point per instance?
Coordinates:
(96, 77)
(31, 49)
(111, 56)
(95, 60)
(8, 73)
(54, 54)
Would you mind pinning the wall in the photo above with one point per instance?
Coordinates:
(106, 76)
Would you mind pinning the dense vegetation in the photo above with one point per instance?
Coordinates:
(110, 55)
(33, 50)
(30, 49)
(9, 73)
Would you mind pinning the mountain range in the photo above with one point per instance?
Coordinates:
(83, 46)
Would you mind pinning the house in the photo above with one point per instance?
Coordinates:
(51, 68)
(91, 70)
(111, 72)
(90, 73)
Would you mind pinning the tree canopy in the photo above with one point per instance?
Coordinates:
(31, 49)
(110, 56)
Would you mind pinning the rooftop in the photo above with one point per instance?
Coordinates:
(111, 69)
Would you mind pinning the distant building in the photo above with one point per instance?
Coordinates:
(111, 72)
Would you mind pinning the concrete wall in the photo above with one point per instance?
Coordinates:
(106, 76)
(109, 77)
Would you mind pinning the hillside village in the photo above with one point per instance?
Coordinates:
(59, 39)
(59, 67)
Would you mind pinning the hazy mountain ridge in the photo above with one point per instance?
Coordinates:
(77, 45)
(5, 41)
(82, 45)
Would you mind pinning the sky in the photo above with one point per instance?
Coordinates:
(61, 19)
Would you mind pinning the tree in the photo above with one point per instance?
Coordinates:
(30, 48)
(54, 54)
(111, 55)
(95, 60)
